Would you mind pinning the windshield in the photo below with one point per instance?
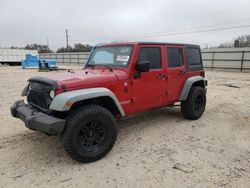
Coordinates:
(111, 56)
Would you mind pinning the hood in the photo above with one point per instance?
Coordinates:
(84, 78)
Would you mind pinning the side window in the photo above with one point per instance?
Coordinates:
(175, 57)
(153, 55)
(193, 56)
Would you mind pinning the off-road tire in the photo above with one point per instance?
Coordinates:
(76, 144)
(195, 104)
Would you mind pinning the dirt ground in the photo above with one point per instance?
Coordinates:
(213, 151)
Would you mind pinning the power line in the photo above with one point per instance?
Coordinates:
(191, 32)
(234, 11)
(174, 33)
(175, 10)
(225, 23)
(209, 26)
(164, 13)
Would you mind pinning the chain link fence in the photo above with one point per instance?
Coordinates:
(227, 58)
(66, 58)
(220, 58)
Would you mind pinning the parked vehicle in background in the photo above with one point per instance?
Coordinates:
(14, 57)
(119, 80)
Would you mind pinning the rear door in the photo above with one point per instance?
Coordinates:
(176, 72)
(149, 88)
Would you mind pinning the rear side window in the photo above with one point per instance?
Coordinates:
(175, 57)
(153, 55)
(193, 56)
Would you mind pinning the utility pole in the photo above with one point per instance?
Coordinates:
(67, 39)
(48, 42)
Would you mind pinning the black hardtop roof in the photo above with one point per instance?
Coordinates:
(169, 43)
(150, 43)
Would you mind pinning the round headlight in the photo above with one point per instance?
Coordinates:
(52, 94)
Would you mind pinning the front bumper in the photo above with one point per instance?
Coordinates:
(36, 120)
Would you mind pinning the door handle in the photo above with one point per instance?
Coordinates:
(164, 76)
(161, 75)
(182, 72)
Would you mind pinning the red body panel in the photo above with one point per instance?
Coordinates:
(134, 94)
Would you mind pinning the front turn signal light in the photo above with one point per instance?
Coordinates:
(52, 94)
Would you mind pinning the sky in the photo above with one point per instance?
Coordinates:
(91, 22)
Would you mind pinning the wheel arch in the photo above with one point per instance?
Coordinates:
(192, 81)
(98, 96)
(103, 101)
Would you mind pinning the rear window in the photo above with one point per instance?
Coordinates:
(193, 58)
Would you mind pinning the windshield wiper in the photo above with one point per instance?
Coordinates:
(108, 67)
(91, 66)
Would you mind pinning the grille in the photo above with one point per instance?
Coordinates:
(39, 96)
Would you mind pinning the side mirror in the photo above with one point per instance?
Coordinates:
(142, 66)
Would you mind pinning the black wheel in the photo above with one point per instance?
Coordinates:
(195, 104)
(90, 133)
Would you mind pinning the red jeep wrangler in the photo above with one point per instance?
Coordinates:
(118, 80)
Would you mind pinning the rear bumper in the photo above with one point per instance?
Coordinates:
(37, 120)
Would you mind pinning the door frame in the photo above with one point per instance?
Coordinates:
(171, 69)
(162, 69)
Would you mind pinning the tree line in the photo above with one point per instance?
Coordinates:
(239, 42)
(78, 47)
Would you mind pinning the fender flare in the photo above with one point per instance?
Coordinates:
(187, 86)
(59, 102)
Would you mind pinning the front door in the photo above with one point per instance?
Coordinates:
(176, 71)
(148, 89)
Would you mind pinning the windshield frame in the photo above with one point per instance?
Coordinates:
(111, 65)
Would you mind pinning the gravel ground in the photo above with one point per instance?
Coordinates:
(154, 149)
